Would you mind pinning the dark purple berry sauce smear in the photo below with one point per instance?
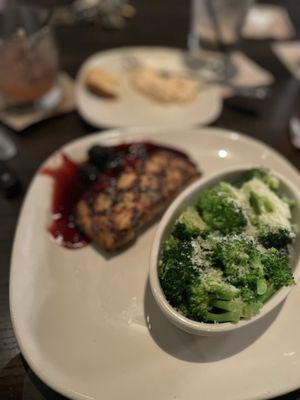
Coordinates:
(67, 190)
(72, 181)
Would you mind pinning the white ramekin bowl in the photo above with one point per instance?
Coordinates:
(188, 197)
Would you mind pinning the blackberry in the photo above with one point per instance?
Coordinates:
(100, 156)
(87, 174)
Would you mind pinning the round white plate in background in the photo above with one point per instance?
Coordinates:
(89, 327)
(134, 108)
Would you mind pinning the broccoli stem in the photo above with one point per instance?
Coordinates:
(255, 203)
(260, 204)
(221, 291)
(226, 305)
(230, 316)
(251, 309)
(268, 293)
(238, 308)
(226, 294)
(261, 287)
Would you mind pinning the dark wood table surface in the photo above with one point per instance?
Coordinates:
(157, 22)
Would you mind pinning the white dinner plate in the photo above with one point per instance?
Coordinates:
(90, 328)
(135, 109)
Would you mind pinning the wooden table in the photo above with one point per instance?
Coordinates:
(157, 23)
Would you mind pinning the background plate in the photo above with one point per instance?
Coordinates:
(135, 109)
(89, 326)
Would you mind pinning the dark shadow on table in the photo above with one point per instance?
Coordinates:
(192, 348)
(45, 390)
(14, 373)
(14, 378)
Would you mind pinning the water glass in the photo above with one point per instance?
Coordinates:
(28, 59)
(215, 31)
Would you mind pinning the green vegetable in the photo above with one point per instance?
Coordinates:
(277, 269)
(229, 254)
(176, 272)
(275, 237)
(262, 174)
(189, 224)
(202, 306)
(260, 204)
(269, 214)
(241, 262)
(213, 282)
(220, 209)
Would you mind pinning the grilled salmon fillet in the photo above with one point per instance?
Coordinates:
(115, 215)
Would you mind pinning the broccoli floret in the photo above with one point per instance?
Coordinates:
(198, 301)
(214, 284)
(189, 224)
(253, 301)
(176, 271)
(219, 208)
(251, 309)
(277, 269)
(202, 306)
(275, 237)
(212, 299)
(260, 204)
(267, 207)
(241, 262)
(206, 306)
(211, 306)
(264, 175)
(269, 214)
(248, 295)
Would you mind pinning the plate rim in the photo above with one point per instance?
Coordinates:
(121, 134)
(119, 50)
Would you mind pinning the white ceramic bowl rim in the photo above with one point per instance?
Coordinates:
(175, 317)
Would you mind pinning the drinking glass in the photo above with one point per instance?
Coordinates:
(215, 31)
(28, 59)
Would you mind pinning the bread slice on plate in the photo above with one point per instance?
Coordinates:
(103, 83)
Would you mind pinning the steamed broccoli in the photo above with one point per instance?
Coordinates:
(277, 269)
(176, 272)
(241, 262)
(189, 224)
(211, 298)
(267, 207)
(260, 204)
(275, 237)
(220, 209)
(214, 283)
(264, 175)
(269, 214)
(203, 309)
(227, 255)
(276, 232)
